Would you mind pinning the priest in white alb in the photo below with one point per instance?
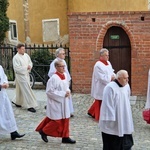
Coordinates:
(116, 123)
(22, 65)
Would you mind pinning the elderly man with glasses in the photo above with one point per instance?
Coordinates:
(60, 55)
(56, 122)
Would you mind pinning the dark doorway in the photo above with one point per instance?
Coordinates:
(117, 42)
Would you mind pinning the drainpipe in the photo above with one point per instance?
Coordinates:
(26, 20)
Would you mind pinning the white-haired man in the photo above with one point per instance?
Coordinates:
(103, 73)
(56, 122)
(116, 122)
(60, 55)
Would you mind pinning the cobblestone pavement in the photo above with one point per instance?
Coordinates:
(82, 127)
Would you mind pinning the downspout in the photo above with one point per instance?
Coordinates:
(26, 21)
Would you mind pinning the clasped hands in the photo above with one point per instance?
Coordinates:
(5, 85)
(29, 67)
(113, 77)
(67, 94)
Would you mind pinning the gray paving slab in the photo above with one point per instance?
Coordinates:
(82, 127)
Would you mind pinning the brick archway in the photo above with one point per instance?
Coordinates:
(101, 35)
(87, 37)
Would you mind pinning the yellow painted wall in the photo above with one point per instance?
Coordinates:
(46, 9)
(15, 12)
(107, 5)
(52, 9)
(38, 10)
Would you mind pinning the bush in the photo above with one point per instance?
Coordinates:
(41, 60)
(42, 57)
(4, 20)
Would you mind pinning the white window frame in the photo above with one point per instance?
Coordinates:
(11, 36)
(148, 4)
(51, 20)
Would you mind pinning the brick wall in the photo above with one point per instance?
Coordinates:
(86, 33)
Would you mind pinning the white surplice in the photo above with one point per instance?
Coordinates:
(116, 115)
(101, 77)
(57, 103)
(24, 94)
(7, 120)
(52, 70)
(147, 105)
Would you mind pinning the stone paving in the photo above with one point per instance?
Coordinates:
(82, 127)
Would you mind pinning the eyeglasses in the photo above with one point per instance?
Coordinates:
(63, 53)
(61, 66)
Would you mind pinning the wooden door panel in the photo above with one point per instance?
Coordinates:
(117, 42)
(113, 57)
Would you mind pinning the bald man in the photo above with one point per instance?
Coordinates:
(116, 122)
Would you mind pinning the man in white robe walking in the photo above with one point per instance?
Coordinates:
(60, 55)
(22, 65)
(103, 73)
(7, 120)
(56, 122)
(116, 122)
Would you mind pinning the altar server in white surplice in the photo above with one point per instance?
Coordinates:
(103, 73)
(7, 120)
(22, 65)
(60, 55)
(56, 122)
(116, 122)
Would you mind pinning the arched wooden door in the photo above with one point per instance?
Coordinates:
(117, 42)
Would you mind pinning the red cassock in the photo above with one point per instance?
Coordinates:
(54, 128)
(57, 127)
(94, 110)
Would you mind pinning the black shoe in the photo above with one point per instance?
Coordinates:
(45, 107)
(68, 140)
(31, 109)
(16, 104)
(71, 115)
(90, 115)
(43, 136)
(15, 135)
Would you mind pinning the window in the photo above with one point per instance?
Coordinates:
(50, 30)
(13, 35)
